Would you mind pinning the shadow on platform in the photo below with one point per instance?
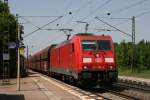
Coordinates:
(12, 97)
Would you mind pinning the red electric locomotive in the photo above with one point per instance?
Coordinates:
(85, 57)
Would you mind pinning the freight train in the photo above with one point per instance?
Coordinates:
(85, 59)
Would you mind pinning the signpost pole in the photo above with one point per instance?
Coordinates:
(18, 60)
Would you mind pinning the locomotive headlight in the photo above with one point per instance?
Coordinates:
(110, 67)
(97, 55)
(85, 67)
(109, 60)
(87, 60)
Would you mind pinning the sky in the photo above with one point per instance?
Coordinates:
(35, 14)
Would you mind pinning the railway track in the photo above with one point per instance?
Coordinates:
(139, 91)
(120, 93)
(102, 94)
(133, 86)
(86, 94)
(116, 92)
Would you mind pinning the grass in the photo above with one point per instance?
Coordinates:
(126, 71)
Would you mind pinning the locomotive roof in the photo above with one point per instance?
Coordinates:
(82, 35)
(79, 35)
(90, 35)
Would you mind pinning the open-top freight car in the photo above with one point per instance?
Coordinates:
(84, 58)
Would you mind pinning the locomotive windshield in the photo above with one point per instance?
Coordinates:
(94, 45)
(104, 45)
(89, 45)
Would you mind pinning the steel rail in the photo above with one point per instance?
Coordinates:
(133, 86)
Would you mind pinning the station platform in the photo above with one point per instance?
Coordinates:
(34, 87)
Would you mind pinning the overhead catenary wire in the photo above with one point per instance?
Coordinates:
(142, 14)
(51, 40)
(42, 26)
(125, 19)
(128, 7)
(64, 13)
(137, 16)
(77, 11)
(30, 22)
(94, 11)
(84, 5)
(66, 9)
(113, 27)
(38, 16)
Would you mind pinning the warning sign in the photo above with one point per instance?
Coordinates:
(21, 50)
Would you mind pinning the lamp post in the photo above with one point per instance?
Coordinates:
(27, 53)
(18, 54)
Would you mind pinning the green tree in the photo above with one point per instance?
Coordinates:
(8, 26)
(141, 55)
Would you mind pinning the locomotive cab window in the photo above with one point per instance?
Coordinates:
(88, 45)
(94, 45)
(104, 45)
